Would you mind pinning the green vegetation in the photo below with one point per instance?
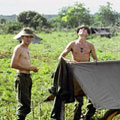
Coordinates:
(45, 56)
(32, 19)
(69, 17)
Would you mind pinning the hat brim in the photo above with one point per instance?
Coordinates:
(20, 34)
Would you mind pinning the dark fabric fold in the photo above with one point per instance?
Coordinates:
(62, 88)
(100, 82)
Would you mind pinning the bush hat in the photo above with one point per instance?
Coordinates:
(24, 32)
(83, 26)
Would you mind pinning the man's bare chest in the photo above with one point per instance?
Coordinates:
(25, 55)
(81, 49)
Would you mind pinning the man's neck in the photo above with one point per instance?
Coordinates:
(82, 39)
(24, 45)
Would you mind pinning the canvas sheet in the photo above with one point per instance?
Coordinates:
(100, 82)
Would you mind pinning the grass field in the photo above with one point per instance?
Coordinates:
(45, 57)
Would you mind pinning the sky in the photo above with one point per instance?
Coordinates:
(10, 7)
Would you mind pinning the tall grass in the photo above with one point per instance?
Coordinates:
(45, 57)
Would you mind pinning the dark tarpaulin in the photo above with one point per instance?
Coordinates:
(62, 89)
(100, 82)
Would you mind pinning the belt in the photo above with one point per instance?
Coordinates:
(24, 74)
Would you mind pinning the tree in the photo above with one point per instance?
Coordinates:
(106, 15)
(2, 21)
(12, 27)
(74, 16)
(32, 19)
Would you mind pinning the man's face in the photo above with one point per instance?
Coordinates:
(83, 32)
(27, 39)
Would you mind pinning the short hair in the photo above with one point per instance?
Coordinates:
(83, 26)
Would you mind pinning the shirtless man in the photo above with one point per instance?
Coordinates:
(81, 51)
(23, 83)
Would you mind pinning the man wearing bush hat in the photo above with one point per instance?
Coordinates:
(24, 32)
(81, 50)
(23, 83)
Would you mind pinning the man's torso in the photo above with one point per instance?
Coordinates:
(24, 59)
(81, 52)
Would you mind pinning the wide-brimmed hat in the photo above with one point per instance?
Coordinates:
(83, 26)
(24, 32)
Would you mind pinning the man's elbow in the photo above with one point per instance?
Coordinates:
(59, 58)
(12, 65)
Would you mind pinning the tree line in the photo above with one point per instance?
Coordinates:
(68, 17)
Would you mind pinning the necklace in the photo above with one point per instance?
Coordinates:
(81, 50)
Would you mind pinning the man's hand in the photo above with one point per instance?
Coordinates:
(95, 61)
(70, 61)
(66, 59)
(34, 69)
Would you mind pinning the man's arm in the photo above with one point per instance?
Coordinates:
(16, 65)
(66, 51)
(93, 52)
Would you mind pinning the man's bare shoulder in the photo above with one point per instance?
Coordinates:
(90, 44)
(70, 44)
(18, 48)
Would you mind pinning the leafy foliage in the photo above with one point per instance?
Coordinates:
(12, 27)
(32, 19)
(106, 16)
(69, 17)
(73, 16)
(45, 56)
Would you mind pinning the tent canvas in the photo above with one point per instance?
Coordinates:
(100, 82)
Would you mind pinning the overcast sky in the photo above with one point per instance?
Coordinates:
(10, 7)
